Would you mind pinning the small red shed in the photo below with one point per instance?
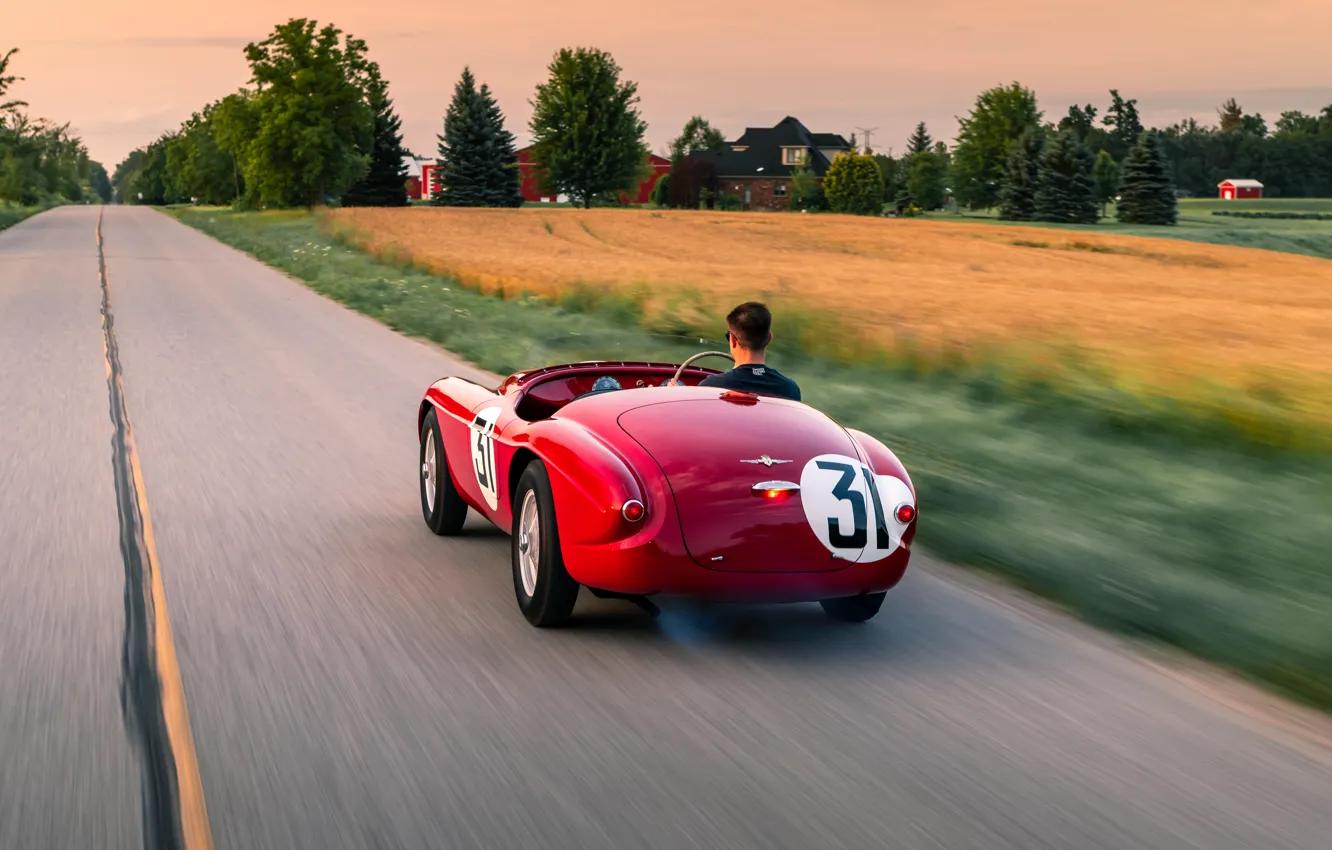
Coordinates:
(1231, 190)
(532, 191)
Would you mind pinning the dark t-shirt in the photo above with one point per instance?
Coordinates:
(755, 378)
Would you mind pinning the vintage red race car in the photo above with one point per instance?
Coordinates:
(607, 478)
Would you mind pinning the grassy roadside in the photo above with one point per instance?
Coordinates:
(11, 215)
(1157, 532)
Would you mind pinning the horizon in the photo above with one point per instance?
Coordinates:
(839, 82)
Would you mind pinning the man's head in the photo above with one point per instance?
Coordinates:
(749, 330)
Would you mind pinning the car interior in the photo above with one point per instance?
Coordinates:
(546, 395)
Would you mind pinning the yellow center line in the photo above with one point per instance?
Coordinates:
(195, 831)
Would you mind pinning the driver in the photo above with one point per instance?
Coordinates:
(749, 330)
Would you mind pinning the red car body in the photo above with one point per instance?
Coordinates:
(697, 459)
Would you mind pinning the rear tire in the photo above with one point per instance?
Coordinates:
(441, 503)
(545, 591)
(854, 609)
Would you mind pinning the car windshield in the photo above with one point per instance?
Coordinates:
(598, 343)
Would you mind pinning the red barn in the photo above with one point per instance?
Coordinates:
(532, 191)
(1240, 189)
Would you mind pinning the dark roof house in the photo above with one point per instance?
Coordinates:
(774, 151)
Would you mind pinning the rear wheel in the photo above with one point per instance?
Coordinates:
(441, 503)
(854, 609)
(545, 591)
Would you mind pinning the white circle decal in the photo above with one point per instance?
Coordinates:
(851, 510)
(483, 454)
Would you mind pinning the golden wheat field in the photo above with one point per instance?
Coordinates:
(1164, 306)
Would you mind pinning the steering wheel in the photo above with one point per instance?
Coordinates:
(680, 371)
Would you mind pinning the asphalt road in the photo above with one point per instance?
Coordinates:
(355, 682)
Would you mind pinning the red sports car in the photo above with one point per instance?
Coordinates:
(609, 478)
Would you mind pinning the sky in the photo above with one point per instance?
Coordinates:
(123, 71)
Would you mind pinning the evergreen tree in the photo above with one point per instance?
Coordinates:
(478, 163)
(1105, 173)
(1066, 191)
(1017, 197)
(920, 141)
(926, 180)
(1147, 193)
(385, 184)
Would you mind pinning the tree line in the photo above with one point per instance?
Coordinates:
(41, 162)
(316, 125)
(1008, 156)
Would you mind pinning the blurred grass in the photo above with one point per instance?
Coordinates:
(12, 214)
(1143, 518)
(1197, 224)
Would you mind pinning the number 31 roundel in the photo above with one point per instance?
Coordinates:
(852, 510)
(483, 454)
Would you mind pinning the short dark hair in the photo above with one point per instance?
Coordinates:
(751, 323)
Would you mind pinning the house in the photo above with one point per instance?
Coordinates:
(1240, 189)
(757, 166)
(416, 176)
(531, 188)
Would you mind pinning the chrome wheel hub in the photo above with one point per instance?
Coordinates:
(428, 471)
(529, 542)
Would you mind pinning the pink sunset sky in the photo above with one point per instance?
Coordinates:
(123, 71)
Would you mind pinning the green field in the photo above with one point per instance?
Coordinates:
(1197, 224)
(1136, 522)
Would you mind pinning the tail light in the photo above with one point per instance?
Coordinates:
(905, 513)
(775, 489)
(633, 510)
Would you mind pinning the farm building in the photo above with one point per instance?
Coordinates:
(757, 167)
(1231, 190)
(531, 189)
(416, 176)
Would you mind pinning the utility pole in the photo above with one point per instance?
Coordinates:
(867, 132)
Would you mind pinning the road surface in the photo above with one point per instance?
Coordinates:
(353, 681)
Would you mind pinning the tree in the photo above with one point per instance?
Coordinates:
(1296, 123)
(1231, 115)
(385, 184)
(100, 182)
(587, 134)
(478, 163)
(920, 141)
(697, 135)
(1081, 120)
(234, 123)
(7, 80)
(1017, 198)
(1147, 195)
(314, 121)
(1066, 192)
(854, 185)
(926, 180)
(998, 120)
(1105, 174)
(1125, 126)
(806, 192)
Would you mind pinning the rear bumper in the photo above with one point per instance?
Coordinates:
(651, 569)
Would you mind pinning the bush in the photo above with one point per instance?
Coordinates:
(854, 185)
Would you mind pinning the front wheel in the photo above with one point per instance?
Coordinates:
(546, 592)
(441, 503)
(854, 609)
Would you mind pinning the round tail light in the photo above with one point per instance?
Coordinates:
(633, 510)
(906, 513)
